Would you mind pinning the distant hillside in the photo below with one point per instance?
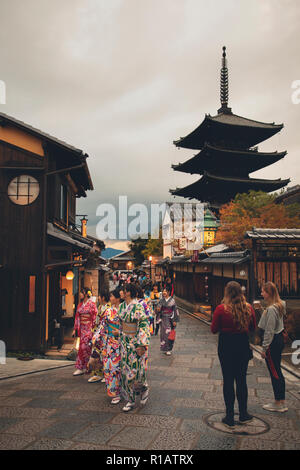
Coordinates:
(110, 252)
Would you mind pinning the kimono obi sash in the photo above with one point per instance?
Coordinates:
(167, 310)
(129, 328)
(85, 319)
(113, 330)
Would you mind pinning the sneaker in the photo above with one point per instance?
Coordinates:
(78, 372)
(228, 422)
(244, 419)
(273, 407)
(95, 378)
(128, 407)
(115, 400)
(144, 396)
(168, 353)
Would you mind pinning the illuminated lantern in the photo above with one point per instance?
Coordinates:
(70, 275)
(210, 228)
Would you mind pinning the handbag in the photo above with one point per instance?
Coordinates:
(172, 335)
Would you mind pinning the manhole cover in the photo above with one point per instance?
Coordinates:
(257, 426)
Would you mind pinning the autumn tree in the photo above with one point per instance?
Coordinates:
(254, 209)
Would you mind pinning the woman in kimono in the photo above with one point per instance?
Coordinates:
(135, 337)
(84, 323)
(107, 345)
(98, 339)
(169, 316)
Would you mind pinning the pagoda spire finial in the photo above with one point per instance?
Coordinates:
(224, 88)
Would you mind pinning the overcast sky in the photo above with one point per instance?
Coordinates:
(122, 79)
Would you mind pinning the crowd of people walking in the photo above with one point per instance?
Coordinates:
(115, 337)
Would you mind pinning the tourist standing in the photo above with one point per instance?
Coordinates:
(168, 315)
(135, 337)
(84, 323)
(233, 320)
(271, 323)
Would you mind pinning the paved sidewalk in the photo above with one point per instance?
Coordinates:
(54, 410)
(14, 367)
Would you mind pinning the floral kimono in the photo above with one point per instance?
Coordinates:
(148, 302)
(84, 324)
(112, 352)
(98, 339)
(134, 330)
(168, 314)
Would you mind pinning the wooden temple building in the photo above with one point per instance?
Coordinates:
(45, 256)
(227, 154)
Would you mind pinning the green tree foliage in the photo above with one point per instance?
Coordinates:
(137, 247)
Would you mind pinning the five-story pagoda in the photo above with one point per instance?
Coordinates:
(227, 154)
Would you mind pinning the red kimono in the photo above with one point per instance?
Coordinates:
(84, 323)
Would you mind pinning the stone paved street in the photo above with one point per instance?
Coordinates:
(54, 410)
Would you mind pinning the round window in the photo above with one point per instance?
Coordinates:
(23, 190)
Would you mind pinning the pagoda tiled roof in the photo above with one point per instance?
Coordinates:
(221, 189)
(243, 162)
(228, 130)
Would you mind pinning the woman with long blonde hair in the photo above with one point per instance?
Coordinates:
(271, 323)
(233, 320)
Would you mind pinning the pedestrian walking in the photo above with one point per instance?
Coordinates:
(155, 297)
(106, 348)
(233, 320)
(84, 323)
(168, 315)
(135, 337)
(168, 284)
(98, 339)
(271, 323)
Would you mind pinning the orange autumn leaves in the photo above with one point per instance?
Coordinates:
(254, 209)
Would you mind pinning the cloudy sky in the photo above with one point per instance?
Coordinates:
(122, 79)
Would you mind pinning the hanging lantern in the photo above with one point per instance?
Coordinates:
(70, 276)
(210, 228)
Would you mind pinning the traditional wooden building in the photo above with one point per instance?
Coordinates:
(227, 154)
(201, 232)
(42, 252)
(276, 258)
(123, 261)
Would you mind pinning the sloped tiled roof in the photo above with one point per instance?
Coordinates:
(274, 233)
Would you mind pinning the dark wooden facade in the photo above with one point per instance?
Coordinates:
(202, 283)
(34, 261)
(276, 258)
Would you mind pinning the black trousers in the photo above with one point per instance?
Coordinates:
(234, 355)
(273, 361)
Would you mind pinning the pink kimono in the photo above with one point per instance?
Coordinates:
(84, 323)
